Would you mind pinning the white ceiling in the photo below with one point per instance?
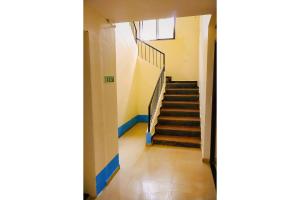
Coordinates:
(129, 10)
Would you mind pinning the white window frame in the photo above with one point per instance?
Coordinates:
(157, 30)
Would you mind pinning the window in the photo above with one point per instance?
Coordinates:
(148, 30)
(157, 29)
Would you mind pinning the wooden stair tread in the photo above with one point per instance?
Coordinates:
(179, 110)
(182, 89)
(179, 121)
(179, 128)
(181, 95)
(181, 139)
(182, 83)
(179, 118)
(181, 102)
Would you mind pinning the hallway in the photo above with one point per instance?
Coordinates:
(158, 172)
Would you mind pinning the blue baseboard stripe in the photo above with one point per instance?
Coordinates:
(104, 176)
(142, 118)
(148, 138)
(125, 127)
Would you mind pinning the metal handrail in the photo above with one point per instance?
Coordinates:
(156, 94)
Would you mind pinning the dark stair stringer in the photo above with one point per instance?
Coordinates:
(179, 119)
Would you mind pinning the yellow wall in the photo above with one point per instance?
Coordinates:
(136, 78)
(148, 75)
(126, 60)
(206, 63)
(182, 52)
(103, 96)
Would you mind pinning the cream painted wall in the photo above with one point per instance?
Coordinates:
(203, 40)
(127, 82)
(207, 39)
(182, 53)
(103, 95)
(89, 155)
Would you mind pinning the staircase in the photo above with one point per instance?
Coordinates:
(179, 121)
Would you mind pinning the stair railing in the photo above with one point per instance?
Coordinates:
(155, 96)
(157, 58)
(151, 54)
(147, 51)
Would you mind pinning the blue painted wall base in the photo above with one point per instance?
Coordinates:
(125, 127)
(104, 176)
(148, 138)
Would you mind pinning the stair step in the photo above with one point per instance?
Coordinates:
(175, 130)
(182, 91)
(181, 97)
(179, 112)
(181, 85)
(185, 121)
(182, 141)
(181, 104)
(184, 82)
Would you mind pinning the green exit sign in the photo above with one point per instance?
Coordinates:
(109, 79)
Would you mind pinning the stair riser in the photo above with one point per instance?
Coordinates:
(179, 114)
(183, 98)
(175, 105)
(182, 91)
(178, 144)
(177, 133)
(181, 85)
(179, 123)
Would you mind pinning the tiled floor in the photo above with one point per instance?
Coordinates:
(158, 172)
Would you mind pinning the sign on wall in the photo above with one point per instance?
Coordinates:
(109, 79)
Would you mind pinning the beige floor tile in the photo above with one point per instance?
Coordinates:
(158, 172)
(190, 196)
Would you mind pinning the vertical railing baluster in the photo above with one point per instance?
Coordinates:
(160, 60)
(156, 58)
(152, 56)
(149, 117)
